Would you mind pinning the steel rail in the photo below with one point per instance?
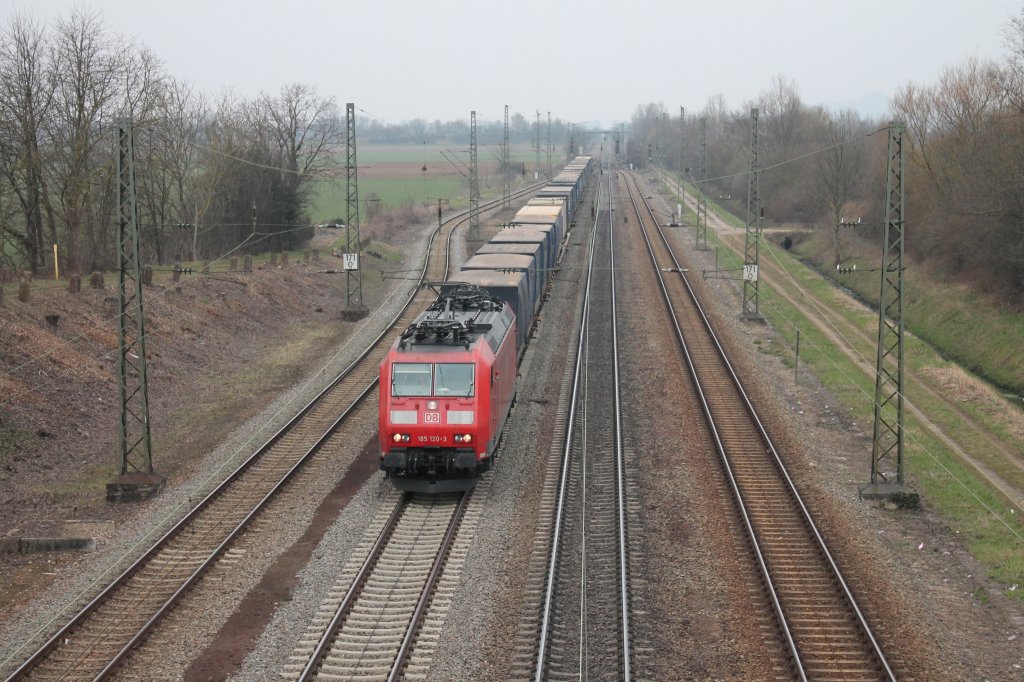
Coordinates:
(323, 646)
(620, 463)
(344, 608)
(94, 603)
(720, 448)
(428, 590)
(775, 458)
(563, 485)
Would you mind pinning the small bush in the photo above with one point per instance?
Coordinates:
(906, 500)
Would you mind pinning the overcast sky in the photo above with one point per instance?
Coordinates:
(585, 60)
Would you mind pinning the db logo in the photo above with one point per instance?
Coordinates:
(431, 417)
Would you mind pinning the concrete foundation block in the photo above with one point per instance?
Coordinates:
(33, 545)
(135, 487)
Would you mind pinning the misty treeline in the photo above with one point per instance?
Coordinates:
(522, 131)
(201, 164)
(964, 175)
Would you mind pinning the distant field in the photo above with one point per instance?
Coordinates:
(329, 199)
(395, 173)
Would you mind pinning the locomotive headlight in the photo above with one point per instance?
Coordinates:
(432, 405)
(397, 438)
(463, 438)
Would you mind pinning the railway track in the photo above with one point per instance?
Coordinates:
(368, 626)
(98, 638)
(825, 634)
(373, 622)
(584, 629)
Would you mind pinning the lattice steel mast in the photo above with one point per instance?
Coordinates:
(702, 197)
(506, 162)
(752, 242)
(137, 479)
(354, 308)
(474, 182)
(887, 461)
(682, 146)
(549, 148)
(663, 141)
(536, 147)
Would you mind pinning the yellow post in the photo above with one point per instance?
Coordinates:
(56, 265)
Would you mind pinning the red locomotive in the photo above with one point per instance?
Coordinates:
(447, 384)
(446, 388)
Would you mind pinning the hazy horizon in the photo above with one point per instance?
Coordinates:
(453, 57)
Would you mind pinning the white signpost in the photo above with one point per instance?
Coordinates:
(750, 273)
(350, 261)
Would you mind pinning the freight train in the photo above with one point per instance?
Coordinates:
(448, 383)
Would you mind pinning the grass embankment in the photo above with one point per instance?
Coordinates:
(962, 324)
(991, 528)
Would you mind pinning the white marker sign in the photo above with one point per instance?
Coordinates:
(350, 261)
(750, 273)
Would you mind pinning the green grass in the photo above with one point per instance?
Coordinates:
(948, 315)
(441, 179)
(713, 205)
(948, 485)
(328, 200)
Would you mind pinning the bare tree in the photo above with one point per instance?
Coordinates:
(170, 177)
(840, 168)
(86, 70)
(25, 96)
(305, 129)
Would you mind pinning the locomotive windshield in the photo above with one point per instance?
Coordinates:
(450, 380)
(453, 380)
(410, 379)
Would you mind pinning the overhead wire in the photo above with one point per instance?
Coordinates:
(220, 152)
(821, 150)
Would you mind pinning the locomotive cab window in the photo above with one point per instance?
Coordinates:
(453, 380)
(410, 379)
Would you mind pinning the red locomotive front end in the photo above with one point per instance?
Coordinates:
(446, 387)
